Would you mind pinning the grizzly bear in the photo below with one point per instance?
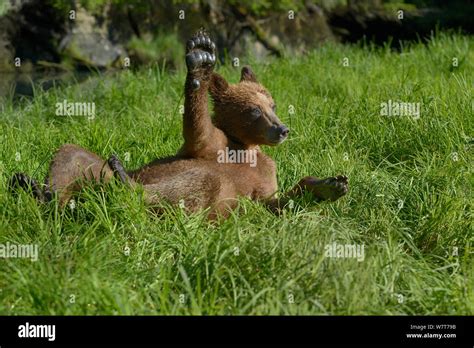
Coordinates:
(220, 159)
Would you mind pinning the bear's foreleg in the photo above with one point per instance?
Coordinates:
(198, 128)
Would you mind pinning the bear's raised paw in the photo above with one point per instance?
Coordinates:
(200, 52)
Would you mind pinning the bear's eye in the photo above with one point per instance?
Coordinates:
(255, 113)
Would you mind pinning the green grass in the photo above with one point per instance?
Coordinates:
(256, 263)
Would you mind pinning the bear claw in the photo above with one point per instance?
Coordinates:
(117, 168)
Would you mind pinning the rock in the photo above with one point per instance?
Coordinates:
(87, 45)
(7, 51)
(91, 50)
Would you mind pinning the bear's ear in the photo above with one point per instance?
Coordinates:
(247, 75)
(218, 86)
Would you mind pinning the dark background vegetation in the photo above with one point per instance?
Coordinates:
(104, 32)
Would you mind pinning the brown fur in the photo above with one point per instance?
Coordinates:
(194, 176)
(72, 167)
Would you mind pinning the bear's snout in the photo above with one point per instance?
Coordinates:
(277, 134)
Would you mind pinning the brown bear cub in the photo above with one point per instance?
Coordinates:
(220, 159)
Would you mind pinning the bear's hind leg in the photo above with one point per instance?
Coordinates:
(27, 183)
(72, 167)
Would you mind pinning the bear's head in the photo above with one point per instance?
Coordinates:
(245, 111)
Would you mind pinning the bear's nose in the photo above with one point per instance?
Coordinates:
(284, 130)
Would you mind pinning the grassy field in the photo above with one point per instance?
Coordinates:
(410, 203)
